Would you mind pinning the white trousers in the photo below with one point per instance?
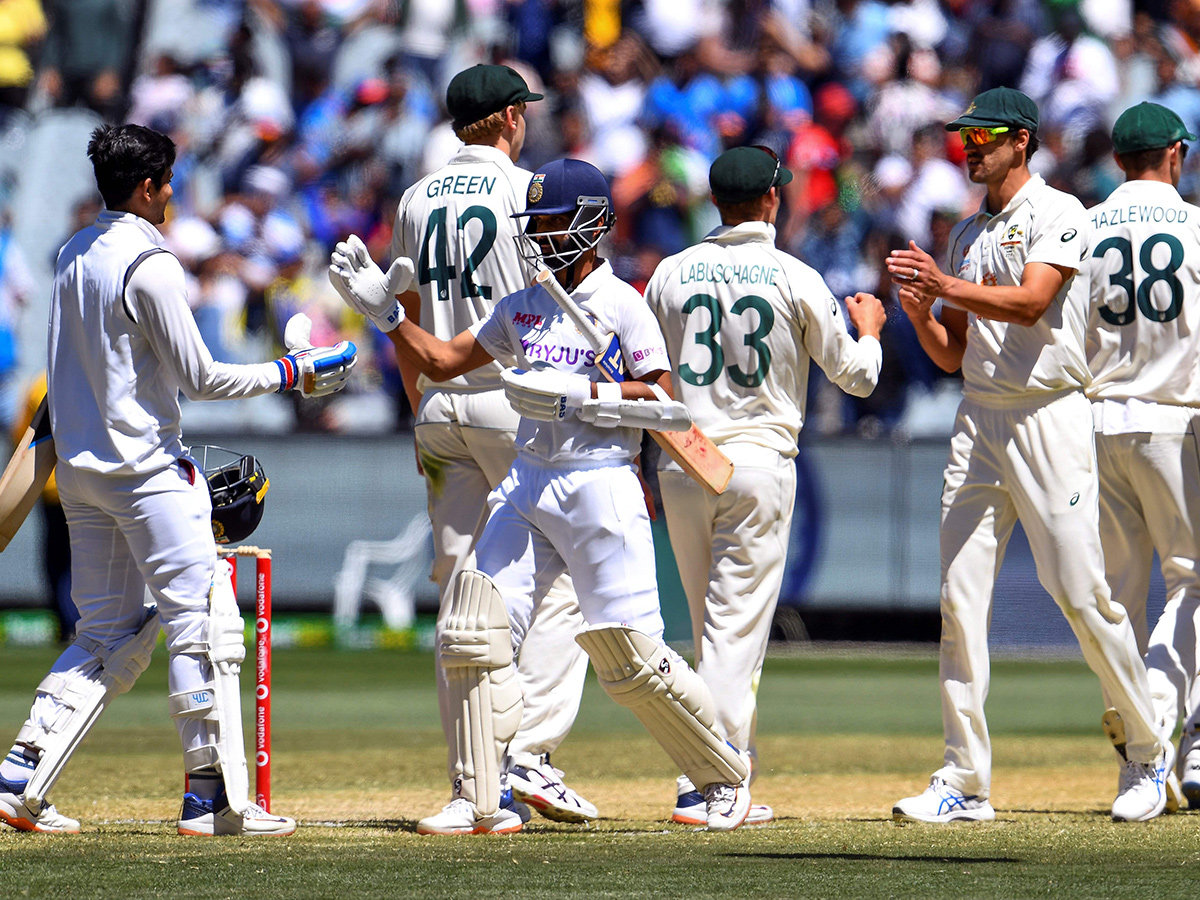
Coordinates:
(1036, 463)
(466, 446)
(730, 550)
(129, 533)
(591, 522)
(1150, 500)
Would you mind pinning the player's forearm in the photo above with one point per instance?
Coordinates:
(1018, 304)
(439, 360)
(939, 343)
(858, 370)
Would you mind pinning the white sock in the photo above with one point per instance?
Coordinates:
(19, 764)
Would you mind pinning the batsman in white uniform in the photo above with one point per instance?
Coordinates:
(1144, 353)
(571, 502)
(457, 225)
(122, 345)
(742, 321)
(1015, 321)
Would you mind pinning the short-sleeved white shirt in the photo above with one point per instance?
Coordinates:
(1144, 329)
(456, 225)
(530, 327)
(742, 319)
(1003, 361)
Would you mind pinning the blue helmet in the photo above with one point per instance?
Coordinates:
(566, 186)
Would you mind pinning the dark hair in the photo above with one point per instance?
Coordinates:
(1143, 160)
(124, 155)
(1031, 147)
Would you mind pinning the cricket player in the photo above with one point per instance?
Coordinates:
(1144, 353)
(122, 345)
(571, 501)
(1014, 320)
(457, 225)
(742, 320)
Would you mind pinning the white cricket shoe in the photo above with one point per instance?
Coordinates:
(690, 808)
(206, 818)
(940, 803)
(542, 787)
(1142, 793)
(459, 816)
(1114, 726)
(1190, 780)
(15, 811)
(726, 806)
(760, 814)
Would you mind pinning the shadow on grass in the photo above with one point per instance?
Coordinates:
(879, 857)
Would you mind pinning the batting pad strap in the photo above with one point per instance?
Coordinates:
(476, 653)
(197, 704)
(670, 699)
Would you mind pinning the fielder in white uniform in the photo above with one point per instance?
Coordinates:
(1144, 353)
(742, 321)
(1015, 322)
(457, 225)
(122, 345)
(571, 502)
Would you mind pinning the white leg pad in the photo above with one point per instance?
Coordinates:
(85, 698)
(667, 697)
(219, 700)
(476, 654)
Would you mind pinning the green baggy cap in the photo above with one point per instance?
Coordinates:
(999, 106)
(479, 91)
(744, 173)
(1148, 126)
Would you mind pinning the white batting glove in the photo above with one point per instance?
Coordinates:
(545, 394)
(365, 287)
(313, 371)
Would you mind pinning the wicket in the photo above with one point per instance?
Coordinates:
(262, 666)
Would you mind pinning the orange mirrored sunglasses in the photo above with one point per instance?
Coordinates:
(979, 136)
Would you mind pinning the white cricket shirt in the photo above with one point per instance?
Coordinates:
(530, 327)
(1144, 329)
(742, 319)
(456, 225)
(120, 354)
(1005, 362)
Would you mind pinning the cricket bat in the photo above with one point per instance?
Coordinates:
(26, 474)
(693, 450)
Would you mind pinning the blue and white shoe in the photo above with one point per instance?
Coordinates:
(542, 787)
(690, 808)
(205, 818)
(941, 803)
(1142, 790)
(507, 801)
(15, 811)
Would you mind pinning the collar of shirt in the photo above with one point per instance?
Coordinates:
(745, 233)
(472, 153)
(1035, 183)
(108, 218)
(593, 281)
(1143, 186)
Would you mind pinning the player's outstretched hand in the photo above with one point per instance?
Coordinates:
(867, 314)
(365, 287)
(545, 394)
(313, 371)
(915, 270)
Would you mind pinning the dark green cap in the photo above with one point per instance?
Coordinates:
(999, 106)
(479, 91)
(744, 173)
(1148, 126)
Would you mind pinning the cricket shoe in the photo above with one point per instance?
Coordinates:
(690, 809)
(206, 818)
(21, 815)
(1190, 781)
(542, 787)
(1114, 726)
(1142, 791)
(511, 803)
(459, 816)
(940, 803)
(726, 806)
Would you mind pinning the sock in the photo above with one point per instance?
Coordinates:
(18, 766)
(205, 784)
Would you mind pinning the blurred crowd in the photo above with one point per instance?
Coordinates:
(305, 120)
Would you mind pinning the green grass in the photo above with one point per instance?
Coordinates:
(359, 757)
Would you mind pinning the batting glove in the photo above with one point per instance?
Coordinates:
(545, 394)
(365, 287)
(313, 371)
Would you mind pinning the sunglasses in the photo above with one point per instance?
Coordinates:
(979, 136)
(767, 150)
